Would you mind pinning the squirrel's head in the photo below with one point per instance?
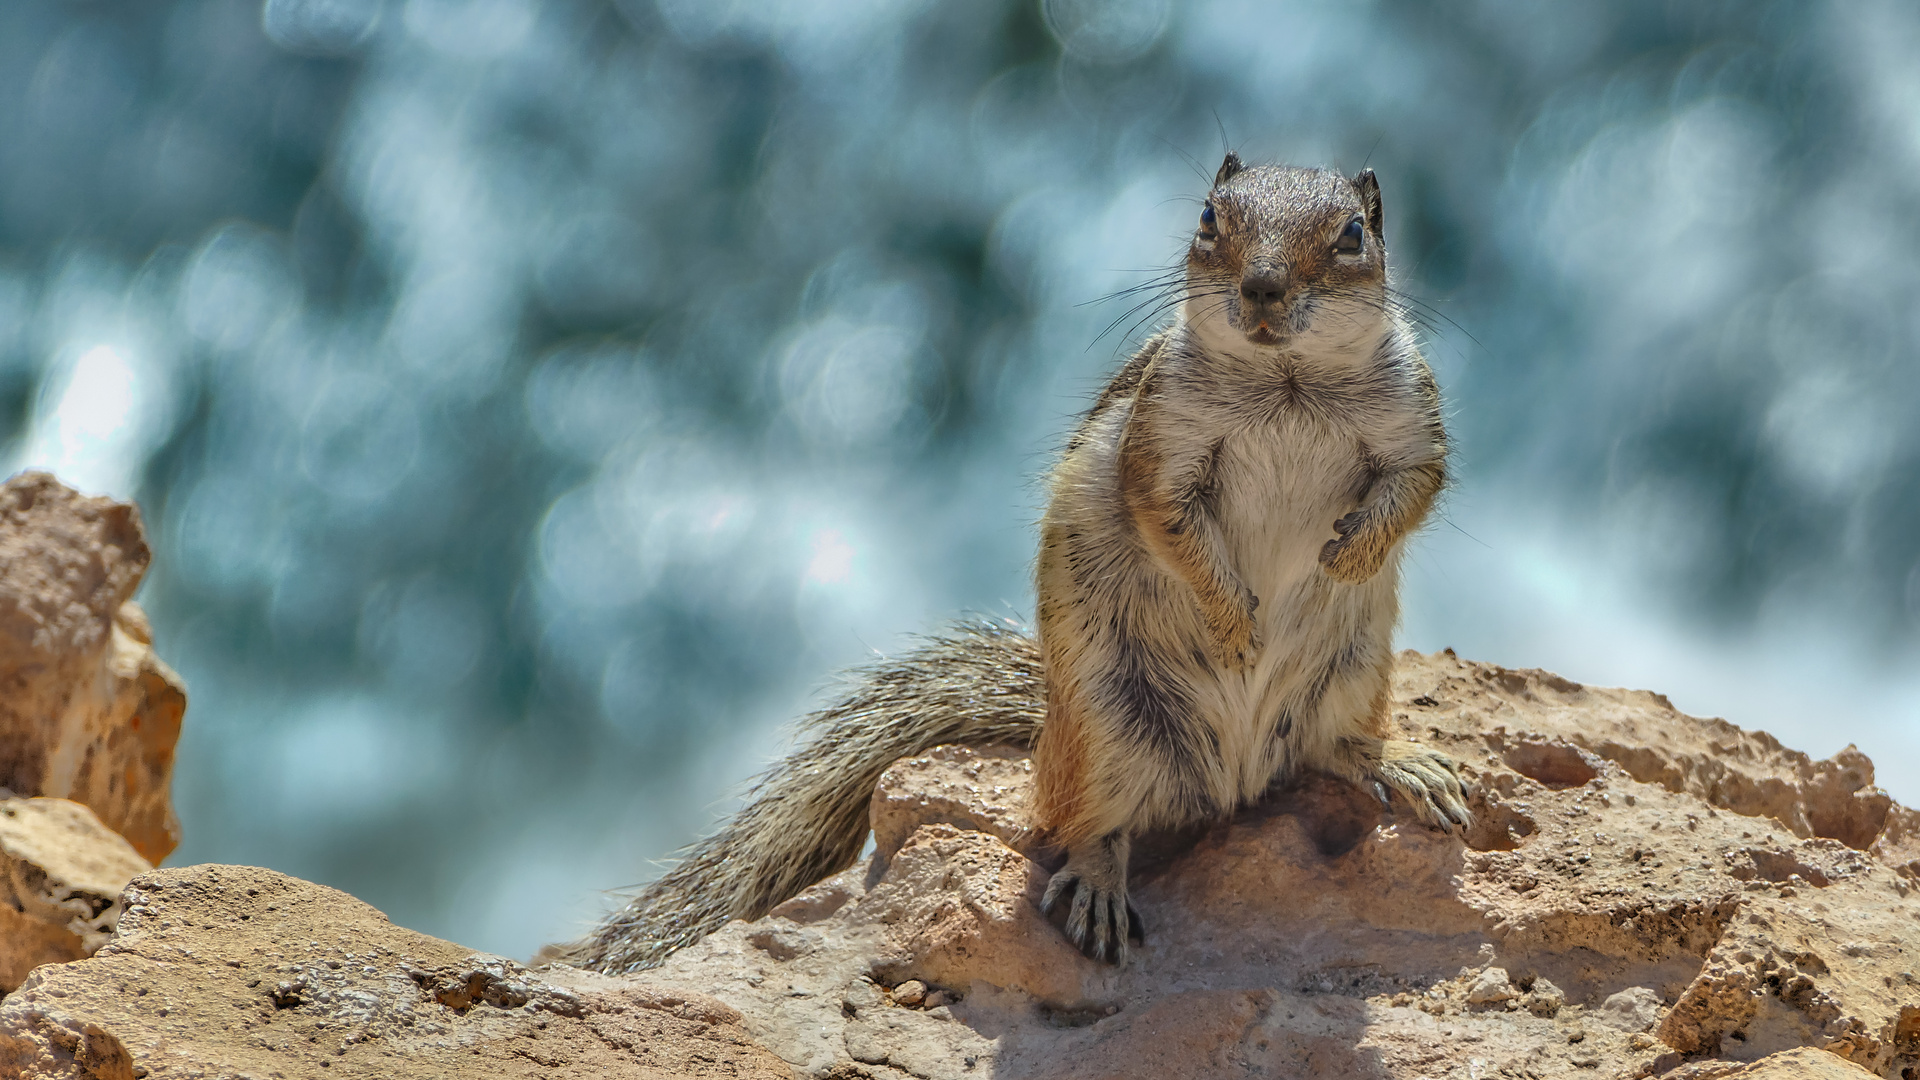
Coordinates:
(1289, 259)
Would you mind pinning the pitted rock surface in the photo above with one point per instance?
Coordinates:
(983, 790)
(1643, 893)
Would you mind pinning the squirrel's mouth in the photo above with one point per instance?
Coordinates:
(1263, 333)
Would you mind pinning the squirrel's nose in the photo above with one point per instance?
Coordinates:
(1262, 286)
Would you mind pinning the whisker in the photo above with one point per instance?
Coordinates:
(1164, 306)
(1153, 305)
(1154, 283)
(1427, 307)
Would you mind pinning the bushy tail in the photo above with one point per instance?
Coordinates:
(806, 818)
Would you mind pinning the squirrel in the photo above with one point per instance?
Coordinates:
(1218, 574)
(1217, 591)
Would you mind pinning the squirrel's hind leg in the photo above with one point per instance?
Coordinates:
(1100, 918)
(1122, 751)
(1428, 779)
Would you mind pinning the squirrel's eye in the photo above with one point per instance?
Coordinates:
(1207, 220)
(1351, 237)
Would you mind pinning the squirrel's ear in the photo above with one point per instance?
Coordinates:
(1228, 168)
(1369, 189)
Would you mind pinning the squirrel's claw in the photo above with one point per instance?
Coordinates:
(1099, 922)
(1428, 779)
(1059, 883)
(1100, 918)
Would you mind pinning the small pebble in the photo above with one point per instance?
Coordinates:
(912, 992)
(1492, 986)
(860, 995)
(1545, 999)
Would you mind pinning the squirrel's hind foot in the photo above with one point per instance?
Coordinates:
(1100, 918)
(1428, 779)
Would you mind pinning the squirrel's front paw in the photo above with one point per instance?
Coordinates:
(1236, 636)
(1356, 554)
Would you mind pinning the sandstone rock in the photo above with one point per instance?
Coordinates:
(1644, 893)
(1634, 1009)
(1802, 1064)
(1544, 999)
(1658, 893)
(233, 971)
(87, 711)
(1490, 987)
(980, 789)
(61, 873)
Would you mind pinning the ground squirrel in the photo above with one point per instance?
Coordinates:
(1217, 590)
(1219, 563)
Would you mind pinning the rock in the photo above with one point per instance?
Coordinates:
(1624, 855)
(87, 711)
(1634, 1009)
(1802, 1064)
(1490, 987)
(236, 971)
(61, 873)
(861, 994)
(976, 788)
(1545, 999)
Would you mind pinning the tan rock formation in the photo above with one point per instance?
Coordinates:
(1645, 892)
(1803, 1064)
(232, 971)
(61, 873)
(87, 711)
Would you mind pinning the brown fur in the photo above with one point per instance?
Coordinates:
(1167, 512)
(1057, 797)
(1368, 536)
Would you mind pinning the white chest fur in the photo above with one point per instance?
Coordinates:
(1294, 460)
(1281, 486)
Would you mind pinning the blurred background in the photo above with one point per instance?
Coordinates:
(535, 403)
